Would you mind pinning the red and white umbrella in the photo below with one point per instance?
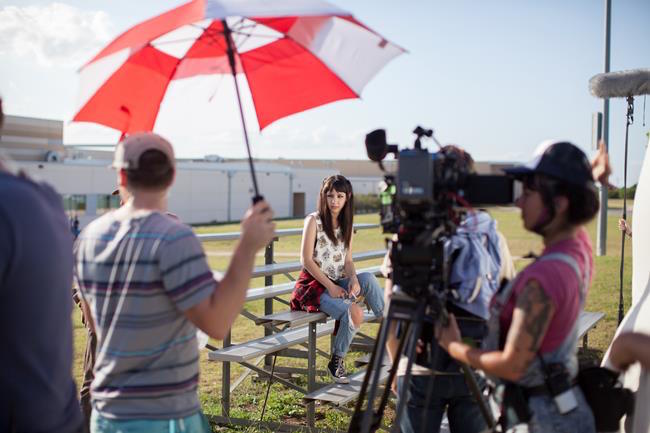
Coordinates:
(294, 54)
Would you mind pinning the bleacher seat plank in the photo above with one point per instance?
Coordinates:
(269, 291)
(365, 360)
(291, 318)
(276, 342)
(269, 344)
(340, 394)
(588, 320)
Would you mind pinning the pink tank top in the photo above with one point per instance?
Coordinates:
(560, 283)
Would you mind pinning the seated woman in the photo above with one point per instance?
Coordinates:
(532, 340)
(328, 281)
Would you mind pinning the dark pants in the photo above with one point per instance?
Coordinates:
(449, 392)
(89, 364)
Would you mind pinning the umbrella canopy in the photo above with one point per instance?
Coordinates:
(295, 55)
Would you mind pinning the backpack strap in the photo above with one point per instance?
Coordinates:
(573, 264)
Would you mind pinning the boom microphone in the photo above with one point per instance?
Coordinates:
(621, 84)
(626, 84)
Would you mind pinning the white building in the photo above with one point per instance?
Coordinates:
(205, 191)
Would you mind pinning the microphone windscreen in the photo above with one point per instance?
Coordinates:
(621, 84)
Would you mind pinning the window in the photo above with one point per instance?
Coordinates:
(74, 203)
(107, 202)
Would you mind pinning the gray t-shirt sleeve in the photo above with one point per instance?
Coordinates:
(185, 272)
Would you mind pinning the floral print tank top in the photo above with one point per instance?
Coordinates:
(329, 257)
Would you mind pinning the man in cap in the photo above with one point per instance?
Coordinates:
(146, 282)
(38, 392)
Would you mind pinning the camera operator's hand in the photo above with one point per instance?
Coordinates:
(336, 291)
(257, 226)
(449, 334)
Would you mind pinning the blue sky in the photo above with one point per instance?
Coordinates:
(494, 77)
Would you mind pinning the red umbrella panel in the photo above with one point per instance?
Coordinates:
(295, 55)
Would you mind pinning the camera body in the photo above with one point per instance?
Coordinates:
(436, 185)
(423, 202)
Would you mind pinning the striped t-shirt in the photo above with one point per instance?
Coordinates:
(138, 276)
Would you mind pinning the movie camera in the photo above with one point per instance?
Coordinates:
(422, 204)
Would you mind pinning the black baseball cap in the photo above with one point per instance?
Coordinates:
(560, 160)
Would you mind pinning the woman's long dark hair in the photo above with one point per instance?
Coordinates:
(337, 183)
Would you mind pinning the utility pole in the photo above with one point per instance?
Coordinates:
(601, 243)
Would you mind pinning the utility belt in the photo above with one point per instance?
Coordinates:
(604, 393)
(557, 385)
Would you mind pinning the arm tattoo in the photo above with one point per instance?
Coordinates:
(538, 311)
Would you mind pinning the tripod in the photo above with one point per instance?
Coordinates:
(411, 312)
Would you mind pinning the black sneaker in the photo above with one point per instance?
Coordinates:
(336, 369)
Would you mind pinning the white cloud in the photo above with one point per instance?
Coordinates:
(55, 35)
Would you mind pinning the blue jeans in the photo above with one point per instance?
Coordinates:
(547, 419)
(449, 392)
(338, 309)
(196, 423)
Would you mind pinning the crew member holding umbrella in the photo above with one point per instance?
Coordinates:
(146, 286)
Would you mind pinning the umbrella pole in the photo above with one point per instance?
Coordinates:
(630, 119)
(231, 59)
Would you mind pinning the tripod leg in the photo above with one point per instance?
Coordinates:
(362, 420)
(478, 396)
(394, 368)
(359, 414)
(268, 388)
(413, 337)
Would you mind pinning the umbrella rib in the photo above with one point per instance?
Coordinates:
(215, 39)
(257, 36)
(253, 24)
(237, 32)
(240, 22)
(197, 26)
(240, 41)
(175, 41)
(217, 87)
(212, 36)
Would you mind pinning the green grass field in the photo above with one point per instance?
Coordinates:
(285, 405)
